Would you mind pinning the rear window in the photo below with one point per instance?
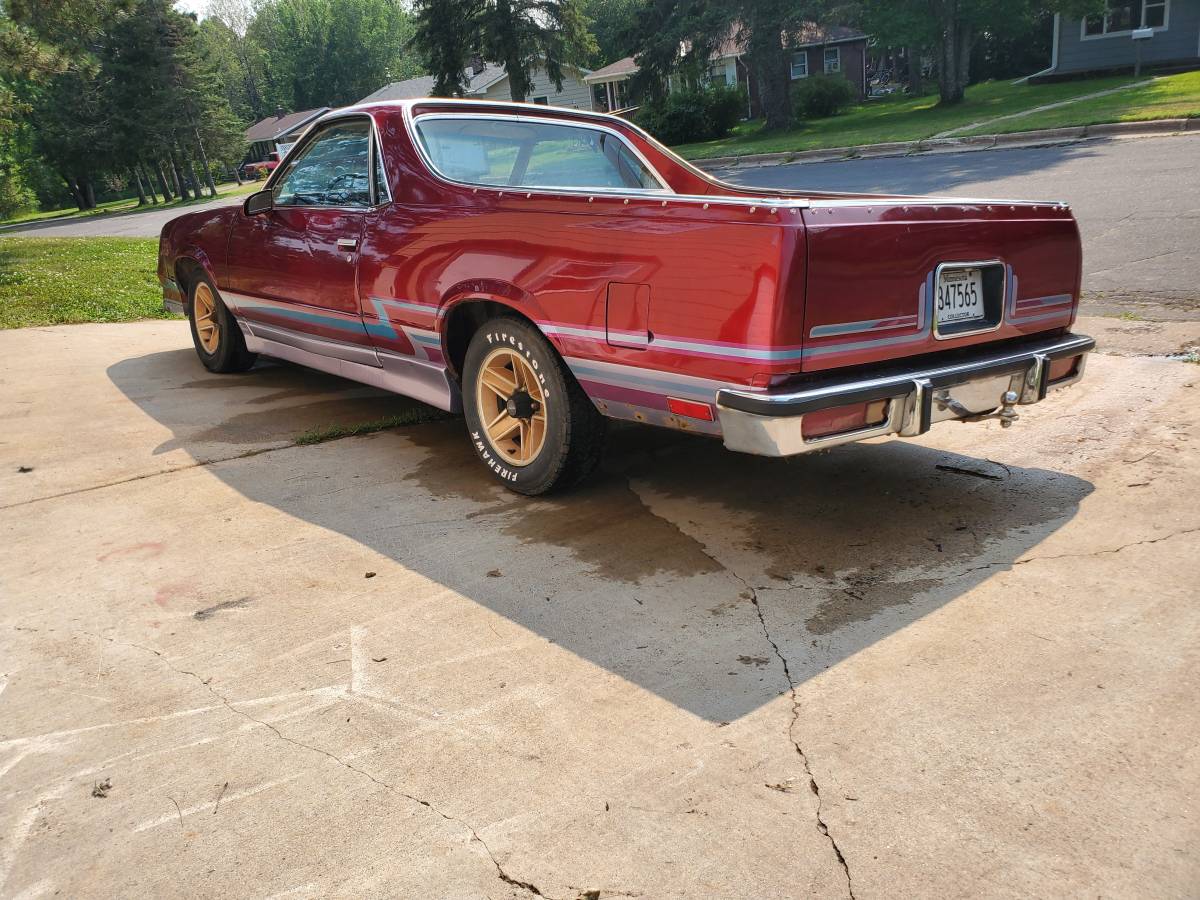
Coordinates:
(513, 153)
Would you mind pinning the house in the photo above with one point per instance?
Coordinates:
(278, 132)
(489, 81)
(1166, 33)
(815, 49)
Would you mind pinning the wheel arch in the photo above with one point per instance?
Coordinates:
(190, 265)
(461, 318)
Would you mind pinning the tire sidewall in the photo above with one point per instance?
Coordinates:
(525, 340)
(218, 359)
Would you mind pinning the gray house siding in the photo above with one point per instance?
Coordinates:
(574, 95)
(1179, 42)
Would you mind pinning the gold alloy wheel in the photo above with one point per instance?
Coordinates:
(512, 406)
(204, 307)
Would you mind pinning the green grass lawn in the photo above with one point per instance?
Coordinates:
(1169, 97)
(903, 118)
(51, 281)
(115, 206)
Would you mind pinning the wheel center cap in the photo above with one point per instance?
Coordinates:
(520, 405)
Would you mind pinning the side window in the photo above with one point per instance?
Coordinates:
(531, 154)
(382, 194)
(333, 170)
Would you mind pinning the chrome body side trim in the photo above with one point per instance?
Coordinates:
(356, 353)
(411, 377)
(173, 298)
(987, 385)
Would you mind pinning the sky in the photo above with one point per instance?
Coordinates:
(193, 6)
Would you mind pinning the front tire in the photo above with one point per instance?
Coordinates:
(218, 339)
(529, 420)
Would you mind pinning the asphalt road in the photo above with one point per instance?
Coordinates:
(134, 223)
(959, 666)
(1137, 200)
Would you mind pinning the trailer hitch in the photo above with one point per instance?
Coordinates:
(1005, 412)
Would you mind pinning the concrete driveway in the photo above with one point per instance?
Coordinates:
(956, 667)
(1137, 202)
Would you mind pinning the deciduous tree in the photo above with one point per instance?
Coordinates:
(521, 35)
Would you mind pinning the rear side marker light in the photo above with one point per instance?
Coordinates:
(690, 408)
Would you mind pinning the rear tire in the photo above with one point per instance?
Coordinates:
(529, 420)
(215, 332)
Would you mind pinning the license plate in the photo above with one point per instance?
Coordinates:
(959, 296)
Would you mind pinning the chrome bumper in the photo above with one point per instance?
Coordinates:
(769, 424)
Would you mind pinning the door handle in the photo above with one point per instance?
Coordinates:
(347, 243)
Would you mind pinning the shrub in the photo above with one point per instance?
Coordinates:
(693, 115)
(726, 107)
(15, 197)
(820, 96)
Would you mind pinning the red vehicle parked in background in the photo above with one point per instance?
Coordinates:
(544, 269)
(263, 168)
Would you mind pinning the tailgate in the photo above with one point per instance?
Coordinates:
(873, 274)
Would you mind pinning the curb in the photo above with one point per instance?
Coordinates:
(1046, 137)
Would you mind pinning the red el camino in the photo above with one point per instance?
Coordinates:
(543, 270)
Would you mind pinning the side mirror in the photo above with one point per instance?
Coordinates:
(259, 202)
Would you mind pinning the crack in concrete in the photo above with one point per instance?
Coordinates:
(196, 464)
(1093, 553)
(822, 826)
(526, 886)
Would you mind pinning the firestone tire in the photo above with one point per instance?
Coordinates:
(566, 448)
(215, 333)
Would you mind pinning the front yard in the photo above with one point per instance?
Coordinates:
(54, 281)
(904, 118)
(130, 204)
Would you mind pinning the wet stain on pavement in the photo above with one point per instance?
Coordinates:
(603, 523)
(284, 423)
(856, 530)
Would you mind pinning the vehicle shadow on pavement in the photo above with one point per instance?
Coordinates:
(683, 568)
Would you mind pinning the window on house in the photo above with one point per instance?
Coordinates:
(800, 64)
(1122, 17)
(1154, 15)
(833, 60)
(542, 101)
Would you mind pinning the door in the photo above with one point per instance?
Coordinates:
(293, 269)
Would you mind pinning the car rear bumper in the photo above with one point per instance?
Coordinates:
(908, 401)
